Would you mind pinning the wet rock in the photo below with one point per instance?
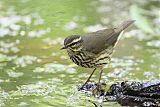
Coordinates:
(128, 93)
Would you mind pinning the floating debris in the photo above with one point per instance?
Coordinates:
(23, 104)
(38, 89)
(1, 80)
(7, 47)
(14, 74)
(51, 42)
(138, 34)
(118, 73)
(25, 60)
(103, 9)
(149, 75)
(123, 66)
(54, 68)
(39, 21)
(5, 58)
(73, 99)
(36, 101)
(20, 28)
(11, 25)
(38, 33)
(94, 28)
(70, 26)
(3, 97)
(154, 43)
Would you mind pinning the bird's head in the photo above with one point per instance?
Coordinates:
(73, 42)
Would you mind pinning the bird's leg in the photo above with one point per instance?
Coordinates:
(88, 78)
(100, 75)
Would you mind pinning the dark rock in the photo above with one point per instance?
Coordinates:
(127, 93)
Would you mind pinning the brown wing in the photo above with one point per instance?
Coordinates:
(98, 41)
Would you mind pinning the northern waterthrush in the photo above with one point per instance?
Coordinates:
(94, 50)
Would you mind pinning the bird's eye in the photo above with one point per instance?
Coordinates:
(73, 44)
(76, 44)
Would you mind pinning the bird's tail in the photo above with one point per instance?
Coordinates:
(118, 31)
(124, 25)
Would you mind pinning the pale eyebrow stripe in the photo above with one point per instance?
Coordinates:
(74, 41)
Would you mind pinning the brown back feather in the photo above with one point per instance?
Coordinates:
(103, 38)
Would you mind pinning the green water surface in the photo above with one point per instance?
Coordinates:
(34, 72)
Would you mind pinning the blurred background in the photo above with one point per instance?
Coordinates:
(35, 73)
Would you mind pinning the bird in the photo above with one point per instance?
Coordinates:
(94, 50)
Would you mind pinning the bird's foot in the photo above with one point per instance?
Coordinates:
(98, 86)
(82, 87)
(87, 85)
(99, 89)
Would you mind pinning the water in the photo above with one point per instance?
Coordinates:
(34, 71)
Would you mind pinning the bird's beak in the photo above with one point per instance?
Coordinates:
(64, 47)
